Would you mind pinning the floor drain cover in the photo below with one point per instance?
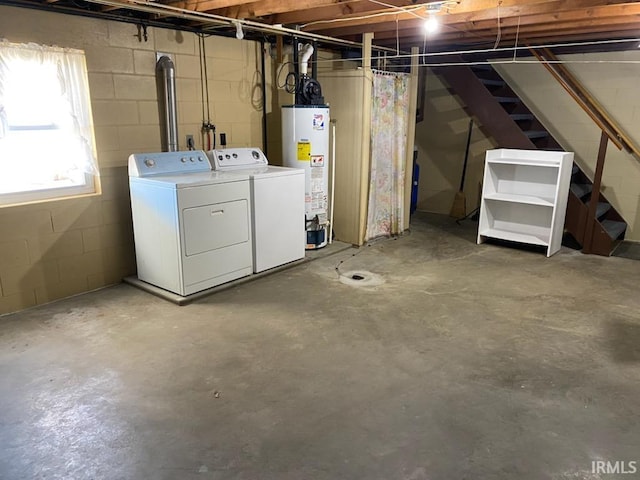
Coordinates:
(361, 278)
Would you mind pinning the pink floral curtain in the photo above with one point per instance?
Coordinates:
(389, 122)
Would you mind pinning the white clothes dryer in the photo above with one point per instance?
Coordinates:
(192, 226)
(277, 205)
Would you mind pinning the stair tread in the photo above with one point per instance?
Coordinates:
(536, 133)
(508, 99)
(521, 116)
(602, 208)
(613, 228)
(581, 189)
(492, 82)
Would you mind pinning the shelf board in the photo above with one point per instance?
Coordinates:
(515, 236)
(526, 199)
(534, 162)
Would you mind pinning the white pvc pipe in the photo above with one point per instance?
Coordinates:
(304, 55)
(333, 176)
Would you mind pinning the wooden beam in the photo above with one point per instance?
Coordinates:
(265, 8)
(338, 10)
(201, 6)
(548, 11)
(560, 34)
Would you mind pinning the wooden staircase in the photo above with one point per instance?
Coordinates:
(503, 116)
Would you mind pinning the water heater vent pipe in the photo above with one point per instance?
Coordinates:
(304, 55)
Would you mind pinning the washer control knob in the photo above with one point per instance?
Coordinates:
(220, 157)
(183, 159)
(150, 162)
(191, 159)
(235, 155)
(227, 156)
(200, 159)
(255, 154)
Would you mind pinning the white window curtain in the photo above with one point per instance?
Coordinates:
(46, 129)
(389, 122)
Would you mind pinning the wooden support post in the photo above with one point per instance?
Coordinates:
(595, 195)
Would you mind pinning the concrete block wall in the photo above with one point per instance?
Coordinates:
(611, 78)
(441, 140)
(54, 249)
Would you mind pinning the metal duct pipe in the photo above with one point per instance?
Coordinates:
(166, 82)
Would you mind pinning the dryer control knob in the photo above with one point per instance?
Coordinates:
(149, 162)
(255, 154)
(183, 159)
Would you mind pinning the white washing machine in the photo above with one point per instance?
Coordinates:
(192, 226)
(277, 205)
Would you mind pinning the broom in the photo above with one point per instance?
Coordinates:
(459, 207)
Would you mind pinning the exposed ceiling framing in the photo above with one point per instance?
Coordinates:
(396, 24)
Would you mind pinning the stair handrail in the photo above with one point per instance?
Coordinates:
(589, 104)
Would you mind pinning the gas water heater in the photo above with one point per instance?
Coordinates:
(305, 144)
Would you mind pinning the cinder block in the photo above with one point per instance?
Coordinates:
(126, 35)
(229, 48)
(109, 59)
(188, 66)
(190, 112)
(101, 86)
(113, 158)
(144, 62)
(115, 112)
(106, 139)
(55, 245)
(116, 236)
(149, 114)
(241, 133)
(75, 214)
(139, 138)
(116, 211)
(136, 87)
(54, 291)
(25, 278)
(91, 240)
(79, 266)
(219, 90)
(17, 301)
(188, 90)
(115, 183)
(104, 279)
(24, 222)
(230, 69)
(13, 253)
(233, 112)
(175, 41)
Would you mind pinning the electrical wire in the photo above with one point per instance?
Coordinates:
(515, 52)
(364, 17)
(495, 45)
(503, 49)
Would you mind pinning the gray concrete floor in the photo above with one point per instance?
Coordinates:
(461, 362)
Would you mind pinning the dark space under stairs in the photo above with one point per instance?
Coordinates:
(503, 116)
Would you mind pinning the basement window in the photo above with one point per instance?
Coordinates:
(47, 144)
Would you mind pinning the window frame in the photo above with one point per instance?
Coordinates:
(91, 185)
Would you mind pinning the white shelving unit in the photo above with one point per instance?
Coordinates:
(524, 196)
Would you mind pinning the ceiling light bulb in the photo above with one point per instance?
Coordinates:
(431, 24)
